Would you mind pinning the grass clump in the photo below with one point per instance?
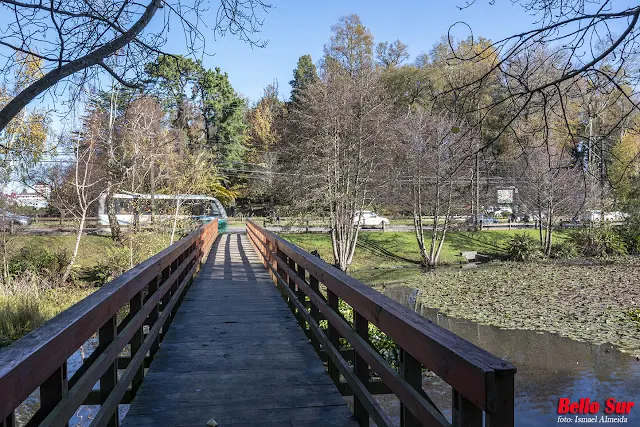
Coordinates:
(523, 247)
(27, 301)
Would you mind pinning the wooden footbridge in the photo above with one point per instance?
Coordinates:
(200, 332)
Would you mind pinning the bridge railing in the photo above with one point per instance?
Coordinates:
(130, 313)
(482, 384)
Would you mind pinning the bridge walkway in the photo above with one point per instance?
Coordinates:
(235, 353)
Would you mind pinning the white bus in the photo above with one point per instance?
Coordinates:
(200, 208)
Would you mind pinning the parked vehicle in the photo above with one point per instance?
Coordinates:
(8, 218)
(485, 219)
(369, 219)
(597, 216)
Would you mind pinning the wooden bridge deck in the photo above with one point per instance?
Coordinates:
(235, 353)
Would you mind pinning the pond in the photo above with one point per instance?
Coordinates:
(549, 366)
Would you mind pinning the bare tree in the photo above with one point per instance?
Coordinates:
(91, 36)
(429, 175)
(573, 41)
(78, 187)
(340, 150)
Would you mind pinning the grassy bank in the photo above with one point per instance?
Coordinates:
(32, 297)
(399, 249)
(21, 313)
(587, 301)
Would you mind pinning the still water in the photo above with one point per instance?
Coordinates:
(549, 366)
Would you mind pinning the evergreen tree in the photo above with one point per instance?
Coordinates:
(203, 105)
(304, 74)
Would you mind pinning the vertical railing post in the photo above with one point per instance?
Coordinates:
(10, 421)
(360, 368)
(165, 299)
(292, 285)
(178, 263)
(106, 335)
(315, 287)
(334, 337)
(315, 313)
(154, 285)
(52, 390)
(411, 371)
(135, 305)
(281, 271)
(464, 413)
(502, 412)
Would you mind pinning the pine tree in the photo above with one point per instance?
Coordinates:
(304, 74)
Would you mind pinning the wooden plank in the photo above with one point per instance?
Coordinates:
(235, 353)
(323, 415)
(247, 392)
(109, 378)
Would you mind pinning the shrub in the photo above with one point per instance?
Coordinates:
(630, 235)
(114, 264)
(523, 247)
(19, 314)
(599, 242)
(564, 250)
(39, 260)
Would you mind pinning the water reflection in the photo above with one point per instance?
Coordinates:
(549, 366)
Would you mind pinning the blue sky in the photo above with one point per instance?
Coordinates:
(298, 27)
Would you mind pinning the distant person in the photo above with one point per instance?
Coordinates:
(278, 219)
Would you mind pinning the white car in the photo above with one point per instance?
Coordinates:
(369, 219)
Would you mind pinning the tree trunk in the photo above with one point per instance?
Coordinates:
(116, 233)
(152, 184)
(76, 247)
(175, 221)
(19, 102)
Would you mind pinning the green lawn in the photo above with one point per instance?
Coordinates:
(395, 249)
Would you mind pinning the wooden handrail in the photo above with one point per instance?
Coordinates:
(38, 360)
(481, 382)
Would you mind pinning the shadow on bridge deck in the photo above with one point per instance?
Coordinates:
(235, 353)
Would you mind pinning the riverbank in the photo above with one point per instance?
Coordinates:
(33, 296)
(592, 301)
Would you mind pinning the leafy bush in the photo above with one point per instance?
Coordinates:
(384, 345)
(599, 242)
(630, 235)
(523, 247)
(114, 264)
(564, 250)
(39, 260)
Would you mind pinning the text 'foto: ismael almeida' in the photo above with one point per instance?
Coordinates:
(586, 411)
